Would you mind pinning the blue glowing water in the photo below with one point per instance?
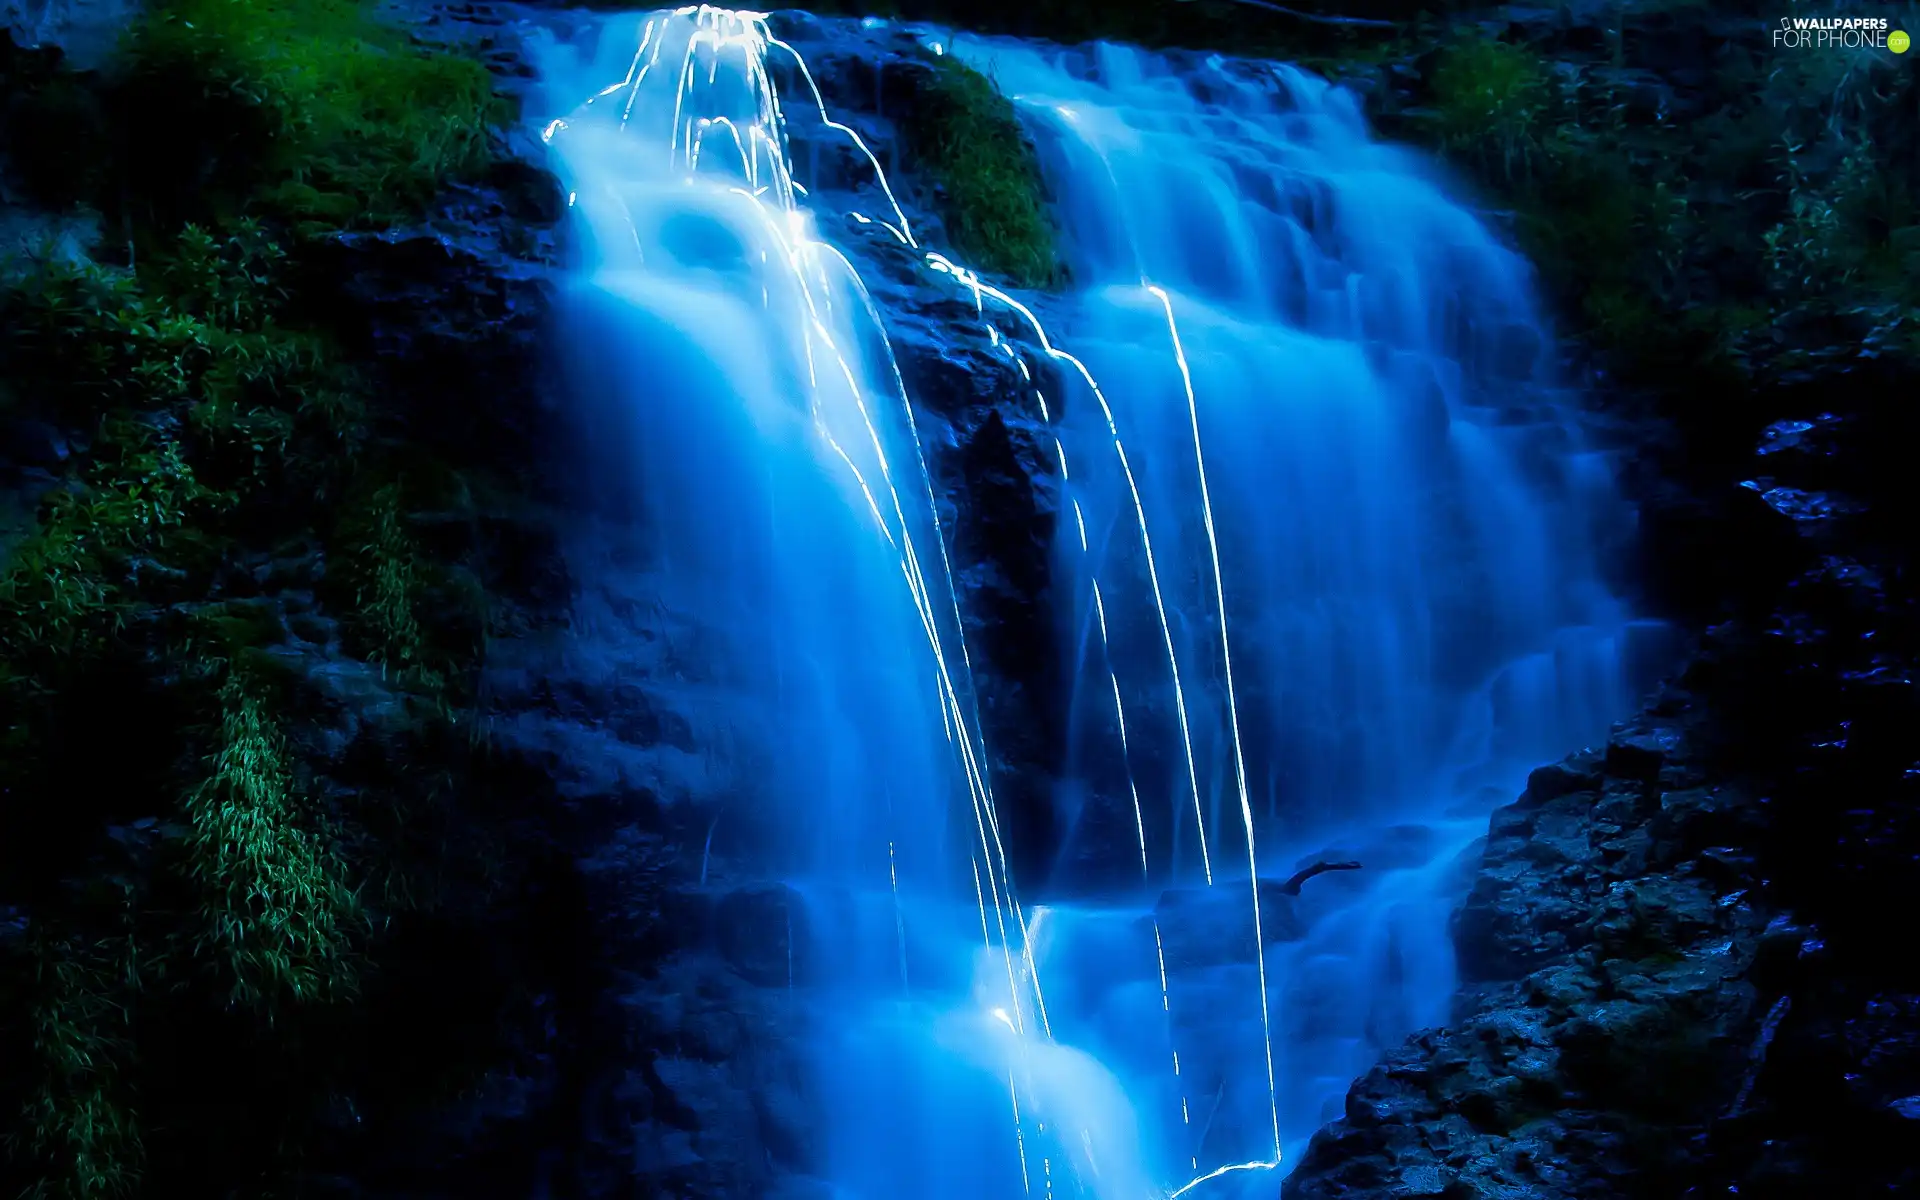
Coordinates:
(1330, 583)
(1366, 599)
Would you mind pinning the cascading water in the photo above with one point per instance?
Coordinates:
(1330, 578)
(1337, 580)
(739, 371)
(1364, 506)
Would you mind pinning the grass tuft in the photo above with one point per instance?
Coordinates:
(77, 1121)
(1494, 101)
(383, 564)
(968, 137)
(276, 914)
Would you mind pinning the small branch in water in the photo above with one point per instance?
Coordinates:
(1292, 886)
(706, 852)
(1317, 18)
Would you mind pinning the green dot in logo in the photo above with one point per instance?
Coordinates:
(1898, 41)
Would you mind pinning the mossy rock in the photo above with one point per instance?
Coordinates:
(967, 137)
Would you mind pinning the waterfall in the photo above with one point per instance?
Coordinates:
(747, 405)
(1337, 582)
(1325, 556)
(1369, 517)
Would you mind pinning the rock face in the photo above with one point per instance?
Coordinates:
(85, 29)
(1603, 952)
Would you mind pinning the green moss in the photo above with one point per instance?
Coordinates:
(313, 111)
(967, 136)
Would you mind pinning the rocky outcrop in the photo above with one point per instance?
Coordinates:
(1604, 952)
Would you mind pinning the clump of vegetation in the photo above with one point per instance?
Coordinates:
(78, 1126)
(383, 565)
(313, 112)
(1494, 101)
(968, 137)
(193, 881)
(69, 587)
(1676, 247)
(276, 915)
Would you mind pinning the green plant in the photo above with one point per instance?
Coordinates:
(83, 340)
(969, 139)
(383, 565)
(1493, 102)
(67, 587)
(233, 282)
(276, 914)
(77, 1121)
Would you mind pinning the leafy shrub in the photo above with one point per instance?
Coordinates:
(82, 340)
(68, 587)
(78, 1124)
(1494, 103)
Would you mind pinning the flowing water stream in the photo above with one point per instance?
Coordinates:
(1325, 561)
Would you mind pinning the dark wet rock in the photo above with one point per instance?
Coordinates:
(456, 309)
(1637, 754)
(29, 443)
(85, 30)
(760, 928)
(1605, 998)
(1579, 773)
